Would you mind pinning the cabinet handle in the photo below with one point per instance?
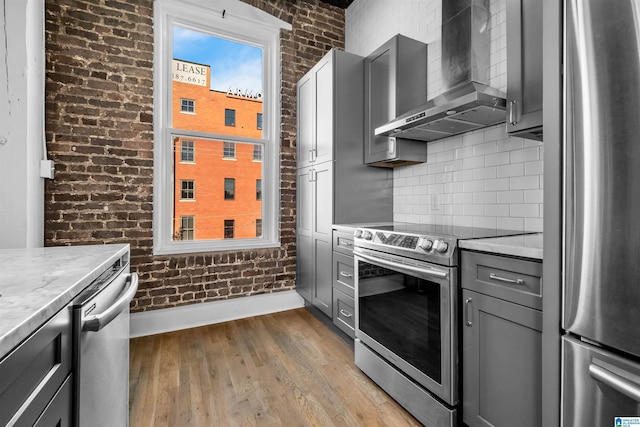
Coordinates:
(468, 316)
(345, 313)
(312, 175)
(513, 112)
(345, 274)
(391, 149)
(343, 243)
(506, 280)
(312, 155)
(620, 384)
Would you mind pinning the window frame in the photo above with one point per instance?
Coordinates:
(246, 24)
(225, 150)
(192, 190)
(192, 108)
(226, 227)
(227, 114)
(259, 118)
(260, 150)
(233, 191)
(190, 150)
(192, 229)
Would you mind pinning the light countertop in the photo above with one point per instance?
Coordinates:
(36, 283)
(523, 245)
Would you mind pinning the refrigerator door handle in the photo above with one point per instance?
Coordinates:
(99, 321)
(618, 383)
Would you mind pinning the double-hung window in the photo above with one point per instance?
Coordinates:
(224, 55)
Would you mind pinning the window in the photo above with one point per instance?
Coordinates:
(229, 228)
(229, 150)
(229, 117)
(187, 189)
(187, 227)
(258, 189)
(187, 105)
(258, 227)
(194, 46)
(229, 188)
(187, 151)
(257, 152)
(259, 121)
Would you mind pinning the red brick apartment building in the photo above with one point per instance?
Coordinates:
(217, 183)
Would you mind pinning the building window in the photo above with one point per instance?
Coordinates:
(229, 188)
(187, 227)
(258, 189)
(187, 189)
(187, 105)
(229, 228)
(193, 42)
(258, 227)
(257, 152)
(229, 150)
(229, 117)
(187, 151)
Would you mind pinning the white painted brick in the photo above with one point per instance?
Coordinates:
(510, 197)
(516, 169)
(525, 155)
(525, 210)
(524, 182)
(499, 184)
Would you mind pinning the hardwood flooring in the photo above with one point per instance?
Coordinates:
(283, 369)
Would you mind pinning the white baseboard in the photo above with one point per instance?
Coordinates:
(194, 315)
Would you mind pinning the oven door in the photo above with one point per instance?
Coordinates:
(406, 312)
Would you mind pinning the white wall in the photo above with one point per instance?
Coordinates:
(21, 123)
(483, 178)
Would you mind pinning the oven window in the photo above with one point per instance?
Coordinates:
(402, 313)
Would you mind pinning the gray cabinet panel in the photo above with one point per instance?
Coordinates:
(502, 364)
(59, 411)
(324, 110)
(306, 120)
(344, 313)
(323, 176)
(324, 284)
(524, 68)
(304, 234)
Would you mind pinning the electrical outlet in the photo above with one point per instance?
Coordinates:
(47, 169)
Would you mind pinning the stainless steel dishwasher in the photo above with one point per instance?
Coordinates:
(101, 347)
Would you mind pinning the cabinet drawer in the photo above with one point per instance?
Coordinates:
(343, 312)
(32, 373)
(343, 273)
(511, 279)
(343, 242)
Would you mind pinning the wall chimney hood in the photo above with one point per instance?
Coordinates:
(468, 103)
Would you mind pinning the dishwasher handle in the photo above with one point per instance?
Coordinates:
(99, 321)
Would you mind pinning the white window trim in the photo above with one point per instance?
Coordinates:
(250, 25)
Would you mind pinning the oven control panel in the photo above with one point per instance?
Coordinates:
(414, 245)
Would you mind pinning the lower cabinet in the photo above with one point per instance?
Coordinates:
(502, 362)
(34, 378)
(501, 340)
(343, 282)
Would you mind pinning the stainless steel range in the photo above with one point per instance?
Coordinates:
(406, 284)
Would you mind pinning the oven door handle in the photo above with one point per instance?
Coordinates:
(430, 271)
(99, 321)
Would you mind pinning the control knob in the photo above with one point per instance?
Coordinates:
(367, 235)
(426, 245)
(358, 233)
(441, 246)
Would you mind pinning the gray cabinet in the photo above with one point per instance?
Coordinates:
(343, 282)
(34, 378)
(524, 68)
(502, 340)
(333, 183)
(395, 82)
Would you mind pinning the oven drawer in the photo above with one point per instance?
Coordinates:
(343, 273)
(343, 312)
(511, 279)
(343, 242)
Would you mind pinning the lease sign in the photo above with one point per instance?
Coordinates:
(187, 72)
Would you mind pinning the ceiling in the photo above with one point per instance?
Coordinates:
(339, 3)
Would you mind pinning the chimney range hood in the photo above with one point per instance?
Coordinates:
(468, 103)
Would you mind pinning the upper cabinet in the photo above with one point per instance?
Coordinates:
(395, 82)
(524, 68)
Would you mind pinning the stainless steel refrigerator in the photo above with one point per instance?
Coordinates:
(601, 318)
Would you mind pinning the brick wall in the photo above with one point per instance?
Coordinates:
(99, 106)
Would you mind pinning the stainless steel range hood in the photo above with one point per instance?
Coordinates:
(468, 103)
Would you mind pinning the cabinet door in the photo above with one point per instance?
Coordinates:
(380, 99)
(305, 277)
(306, 119)
(502, 362)
(524, 68)
(323, 236)
(324, 128)
(59, 411)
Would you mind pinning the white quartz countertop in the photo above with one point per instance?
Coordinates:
(36, 283)
(523, 245)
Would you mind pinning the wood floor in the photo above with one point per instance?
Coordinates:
(283, 369)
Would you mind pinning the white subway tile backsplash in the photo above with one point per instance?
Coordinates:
(483, 178)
